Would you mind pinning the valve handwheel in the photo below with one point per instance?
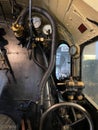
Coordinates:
(67, 116)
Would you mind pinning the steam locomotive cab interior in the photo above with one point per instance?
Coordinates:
(48, 65)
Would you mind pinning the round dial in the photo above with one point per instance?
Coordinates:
(47, 29)
(73, 50)
(36, 21)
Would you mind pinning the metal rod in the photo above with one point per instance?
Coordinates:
(30, 23)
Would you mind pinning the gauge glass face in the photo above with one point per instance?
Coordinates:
(36, 21)
(6, 123)
(47, 29)
(73, 50)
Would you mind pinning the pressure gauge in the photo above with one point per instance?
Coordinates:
(36, 21)
(74, 50)
(47, 29)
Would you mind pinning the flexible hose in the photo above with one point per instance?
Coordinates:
(36, 61)
(21, 21)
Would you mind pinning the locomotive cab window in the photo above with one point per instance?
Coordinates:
(62, 61)
(90, 70)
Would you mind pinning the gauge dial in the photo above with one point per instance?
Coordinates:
(47, 29)
(36, 21)
(73, 50)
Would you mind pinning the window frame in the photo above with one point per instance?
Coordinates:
(59, 44)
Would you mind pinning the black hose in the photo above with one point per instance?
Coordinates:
(21, 20)
(36, 61)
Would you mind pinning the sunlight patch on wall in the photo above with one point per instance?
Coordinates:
(92, 3)
(89, 57)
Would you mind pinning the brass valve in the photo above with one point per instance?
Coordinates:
(17, 29)
(72, 83)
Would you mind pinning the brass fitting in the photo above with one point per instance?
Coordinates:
(33, 45)
(39, 39)
(70, 97)
(80, 97)
(17, 29)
